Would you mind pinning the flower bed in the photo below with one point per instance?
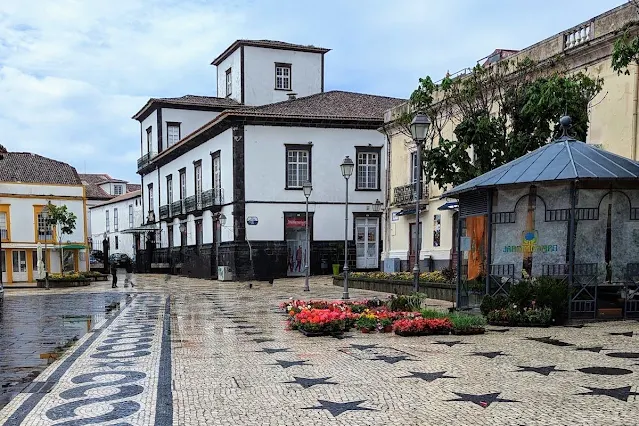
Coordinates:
(73, 279)
(538, 317)
(427, 277)
(319, 322)
(94, 275)
(422, 326)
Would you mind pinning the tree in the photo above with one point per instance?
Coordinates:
(626, 48)
(63, 222)
(498, 113)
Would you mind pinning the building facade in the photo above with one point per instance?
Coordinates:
(113, 219)
(28, 182)
(233, 187)
(585, 48)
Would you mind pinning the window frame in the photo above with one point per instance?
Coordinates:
(182, 183)
(368, 150)
(169, 189)
(117, 243)
(36, 215)
(6, 210)
(116, 188)
(149, 188)
(197, 167)
(216, 177)
(149, 139)
(115, 219)
(284, 66)
(179, 132)
(228, 82)
(107, 222)
(309, 170)
(130, 215)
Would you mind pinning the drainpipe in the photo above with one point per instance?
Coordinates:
(387, 222)
(635, 107)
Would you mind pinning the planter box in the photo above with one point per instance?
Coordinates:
(64, 283)
(102, 277)
(439, 291)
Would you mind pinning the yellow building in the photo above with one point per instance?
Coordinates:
(28, 182)
(614, 112)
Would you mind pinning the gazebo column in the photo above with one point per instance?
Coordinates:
(571, 242)
(489, 240)
(459, 257)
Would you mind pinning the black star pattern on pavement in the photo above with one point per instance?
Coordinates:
(115, 364)
(595, 349)
(605, 371)
(429, 377)
(621, 394)
(262, 340)
(363, 347)
(307, 382)
(481, 400)
(545, 371)
(274, 351)
(337, 408)
(449, 344)
(626, 355)
(392, 359)
(550, 341)
(287, 364)
(625, 333)
(490, 355)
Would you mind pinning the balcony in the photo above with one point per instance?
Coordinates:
(405, 194)
(165, 212)
(193, 204)
(177, 208)
(145, 160)
(212, 197)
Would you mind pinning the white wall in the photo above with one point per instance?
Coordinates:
(233, 62)
(222, 142)
(259, 74)
(151, 120)
(44, 190)
(190, 120)
(98, 223)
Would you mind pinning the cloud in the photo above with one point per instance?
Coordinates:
(72, 72)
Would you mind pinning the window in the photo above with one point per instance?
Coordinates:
(151, 204)
(172, 134)
(217, 177)
(437, 225)
(229, 82)
(108, 227)
(199, 234)
(169, 189)
(117, 242)
(298, 165)
(282, 76)
(3, 261)
(367, 175)
(115, 220)
(183, 236)
(182, 184)
(197, 167)
(45, 227)
(130, 215)
(4, 234)
(149, 139)
(169, 231)
(117, 189)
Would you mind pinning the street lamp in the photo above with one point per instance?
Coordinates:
(307, 188)
(418, 129)
(377, 206)
(347, 167)
(45, 219)
(222, 219)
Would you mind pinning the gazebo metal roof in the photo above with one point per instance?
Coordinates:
(564, 159)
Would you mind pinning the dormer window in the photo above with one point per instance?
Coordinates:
(229, 82)
(117, 189)
(282, 76)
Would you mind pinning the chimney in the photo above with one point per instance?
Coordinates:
(292, 96)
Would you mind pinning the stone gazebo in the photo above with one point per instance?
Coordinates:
(566, 210)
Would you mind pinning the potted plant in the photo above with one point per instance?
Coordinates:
(411, 327)
(441, 326)
(464, 324)
(366, 322)
(318, 322)
(385, 324)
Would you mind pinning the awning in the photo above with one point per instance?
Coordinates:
(405, 212)
(453, 205)
(142, 229)
(74, 247)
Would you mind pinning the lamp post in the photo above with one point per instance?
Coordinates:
(45, 218)
(222, 219)
(418, 129)
(307, 188)
(347, 167)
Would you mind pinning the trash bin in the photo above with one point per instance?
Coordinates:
(336, 269)
(324, 266)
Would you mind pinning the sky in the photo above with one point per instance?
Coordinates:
(73, 72)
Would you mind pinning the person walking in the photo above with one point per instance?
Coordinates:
(129, 272)
(114, 275)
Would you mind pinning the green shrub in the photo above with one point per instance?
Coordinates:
(412, 302)
(522, 294)
(463, 322)
(490, 303)
(432, 314)
(554, 294)
(541, 316)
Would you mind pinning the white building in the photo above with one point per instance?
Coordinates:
(28, 182)
(113, 218)
(245, 158)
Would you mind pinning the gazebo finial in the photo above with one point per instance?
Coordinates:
(565, 123)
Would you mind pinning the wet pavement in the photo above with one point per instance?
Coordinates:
(35, 326)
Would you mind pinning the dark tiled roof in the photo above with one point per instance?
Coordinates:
(32, 168)
(123, 197)
(186, 100)
(94, 177)
(562, 160)
(334, 104)
(130, 187)
(92, 182)
(271, 44)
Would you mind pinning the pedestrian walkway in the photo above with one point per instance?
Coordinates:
(196, 352)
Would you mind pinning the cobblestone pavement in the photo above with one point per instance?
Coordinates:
(208, 353)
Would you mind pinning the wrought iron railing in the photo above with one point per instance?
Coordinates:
(165, 212)
(212, 197)
(405, 194)
(144, 160)
(190, 204)
(177, 208)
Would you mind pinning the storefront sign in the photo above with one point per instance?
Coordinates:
(295, 222)
(251, 220)
(529, 244)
